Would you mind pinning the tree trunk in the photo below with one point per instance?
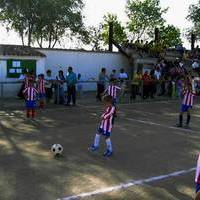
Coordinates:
(29, 34)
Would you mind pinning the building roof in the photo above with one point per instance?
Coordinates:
(18, 50)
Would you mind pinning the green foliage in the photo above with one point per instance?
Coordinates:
(43, 20)
(170, 36)
(95, 39)
(194, 17)
(144, 16)
(119, 35)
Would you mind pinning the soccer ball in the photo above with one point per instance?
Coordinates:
(56, 149)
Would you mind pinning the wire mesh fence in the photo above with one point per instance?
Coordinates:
(130, 91)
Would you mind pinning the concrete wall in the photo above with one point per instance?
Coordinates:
(88, 64)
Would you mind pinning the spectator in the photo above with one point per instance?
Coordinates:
(71, 86)
(49, 85)
(123, 75)
(79, 85)
(101, 84)
(59, 88)
(146, 82)
(113, 75)
(136, 83)
(22, 79)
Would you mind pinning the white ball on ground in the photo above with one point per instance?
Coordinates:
(57, 149)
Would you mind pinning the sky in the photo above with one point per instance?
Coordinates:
(95, 10)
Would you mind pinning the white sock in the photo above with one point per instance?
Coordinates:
(109, 144)
(96, 140)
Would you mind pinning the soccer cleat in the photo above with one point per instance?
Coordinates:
(179, 125)
(107, 153)
(93, 148)
(187, 126)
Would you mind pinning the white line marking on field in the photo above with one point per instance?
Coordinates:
(162, 125)
(129, 184)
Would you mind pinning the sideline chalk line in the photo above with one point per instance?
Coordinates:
(129, 184)
(162, 125)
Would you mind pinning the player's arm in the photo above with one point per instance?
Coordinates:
(108, 114)
(25, 90)
(118, 88)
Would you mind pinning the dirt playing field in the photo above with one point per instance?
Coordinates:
(146, 146)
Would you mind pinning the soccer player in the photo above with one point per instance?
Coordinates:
(187, 103)
(197, 180)
(30, 93)
(105, 127)
(41, 90)
(112, 90)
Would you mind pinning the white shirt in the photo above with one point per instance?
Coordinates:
(123, 75)
(157, 74)
(22, 77)
(195, 65)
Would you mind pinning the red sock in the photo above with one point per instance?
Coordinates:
(33, 113)
(41, 104)
(28, 113)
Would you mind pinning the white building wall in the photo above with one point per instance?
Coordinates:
(88, 64)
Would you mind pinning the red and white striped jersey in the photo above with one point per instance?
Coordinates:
(30, 93)
(41, 86)
(106, 123)
(27, 80)
(197, 176)
(112, 90)
(188, 98)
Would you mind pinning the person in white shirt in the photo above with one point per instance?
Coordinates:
(123, 75)
(195, 65)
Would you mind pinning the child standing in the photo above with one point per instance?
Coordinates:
(187, 103)
(197, 180)
(112, 91)
(41, 90)
(30, 93)
(105, 127)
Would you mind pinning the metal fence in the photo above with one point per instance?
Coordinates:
(130, 91)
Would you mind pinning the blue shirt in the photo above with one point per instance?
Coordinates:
(71, 79)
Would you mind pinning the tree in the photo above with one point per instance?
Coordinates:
(43, 20)
(170, 36)
(95, 38)
(194, 17)
(119, 34)
(144, 16)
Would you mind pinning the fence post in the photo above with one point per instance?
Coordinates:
(1, 90)
(142, 89)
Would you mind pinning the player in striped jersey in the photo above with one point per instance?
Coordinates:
(105, 127)
(30, 94)
(187, 103)
(41, 90)
(112, 90)
(197, 180)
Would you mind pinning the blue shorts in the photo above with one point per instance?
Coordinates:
(197, 187)
(30, 104)
(104, 133)
(185, 108)
(42, 95)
